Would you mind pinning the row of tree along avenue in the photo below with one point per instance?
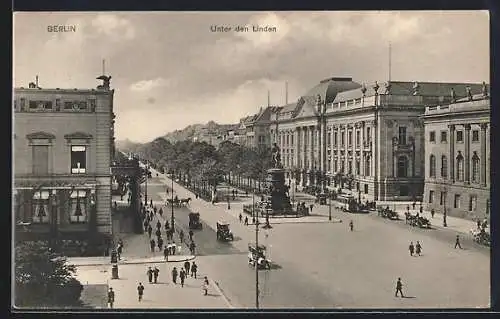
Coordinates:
(201, 167)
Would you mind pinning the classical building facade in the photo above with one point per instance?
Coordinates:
(457, 154)
(254, 129)
(372, 135)
(63, 149)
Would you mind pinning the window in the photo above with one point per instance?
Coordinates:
(358, 172)
(93, 104)
(357, 101)
(456, 203)
(349, 142)
(444, 167)
(41, 211)
(287, 139)
(40, 105)
(402, 166)
(358, 138)
(329, 139)
(460, 167)
(402, 135)
(475, 168)
(403, 190)
(460, 136)
(432, 166)
(368, 136)
(342, 138)
(78, 213)
(78, 159)
(23, 105)
(58, 104)
(432, 136)
(366, 188)
(431, 197)
(68, 105)
(349, 166)
(472, 203)
(40, 159)
(342, 166)
(442, 198)
(444, 137)
(475, 136)
(367, 166)
(335, 138)
(291, 139)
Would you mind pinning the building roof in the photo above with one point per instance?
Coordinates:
(329, 88)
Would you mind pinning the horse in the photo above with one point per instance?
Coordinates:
(170, 202)
(185, 201)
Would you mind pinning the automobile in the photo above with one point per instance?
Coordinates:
(194, 221)
(257, 256)
(223, 231)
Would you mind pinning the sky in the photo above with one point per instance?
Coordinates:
(169, 70)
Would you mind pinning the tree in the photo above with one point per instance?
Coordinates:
(43, 279)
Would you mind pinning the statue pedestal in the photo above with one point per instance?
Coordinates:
(276, 194)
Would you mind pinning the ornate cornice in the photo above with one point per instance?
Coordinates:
(41, 136)
(78, 136)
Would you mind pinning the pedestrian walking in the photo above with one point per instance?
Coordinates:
(240, 217)
(111, 297)
(351, 225)
(150, 230)
(414, 204)
(411, 248)
(150, 203)
(192, 247)
(146, 224)
(156, 272)
(311, 208)
(194, 269)
(167, 226)
(399, 288)
(165, 252)
(421, 209)
(158, 225)
(160, 243)
(205, 285)
(152, 244)
(432, 212)
(408, 208)
(158, 233)
(246, 220)
(182, 276)
(187, 265)
(174, 275)
(119, 250)
(150, 275)
(155, 210)
(418, 248)
(160, 211)
(457, 243)
(191, 235)
(181, 236)
(174, 248)
(140, 291)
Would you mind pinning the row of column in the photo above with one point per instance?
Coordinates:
(310, 146)
(483, 141)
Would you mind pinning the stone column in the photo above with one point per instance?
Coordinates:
(304, 147)
(296, 146)
(467, 153)
(311, 147)
(483, 159)
(374, 160)
(362, 152)
(452, 153)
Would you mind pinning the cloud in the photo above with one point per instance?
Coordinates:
(114, 26)
(148, 85)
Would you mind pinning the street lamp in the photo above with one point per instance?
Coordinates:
(329, 207)
(228, 204)
(256, 264)
(172, 191)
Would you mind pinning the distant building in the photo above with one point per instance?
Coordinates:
(254, 130)
(370, 136)
(63, 148)
(457, 155)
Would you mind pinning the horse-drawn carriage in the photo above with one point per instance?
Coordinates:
(321, 199)
(480, 236)
(388, 213)
(223, 231)
(417, 221)
(194, 221)
(178, 202)
(257, 256)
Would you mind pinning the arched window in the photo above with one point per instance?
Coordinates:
(367, 166)
(475, 168)
(460, 167)
(402, 166)
(444, 167)
(432, 166)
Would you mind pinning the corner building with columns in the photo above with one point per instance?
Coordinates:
(457, 154)
(63, 147)
(373, 134)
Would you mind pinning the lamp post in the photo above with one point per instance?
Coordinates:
(172, 191)
(329, 207)
(228, 203)
(256, 264)
(54, 220)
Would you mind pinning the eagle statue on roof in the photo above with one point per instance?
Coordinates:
(105, 81)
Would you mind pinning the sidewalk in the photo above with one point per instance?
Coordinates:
(106, 261)
(164, 294)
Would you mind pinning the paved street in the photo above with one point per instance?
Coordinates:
(325, 265)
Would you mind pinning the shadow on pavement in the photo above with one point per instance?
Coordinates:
(409, 297)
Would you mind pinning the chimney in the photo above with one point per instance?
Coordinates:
(36, 81)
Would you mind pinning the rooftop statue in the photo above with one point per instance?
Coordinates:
(105, 82)
(469, 93)
(485, 90)
(453, 95)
